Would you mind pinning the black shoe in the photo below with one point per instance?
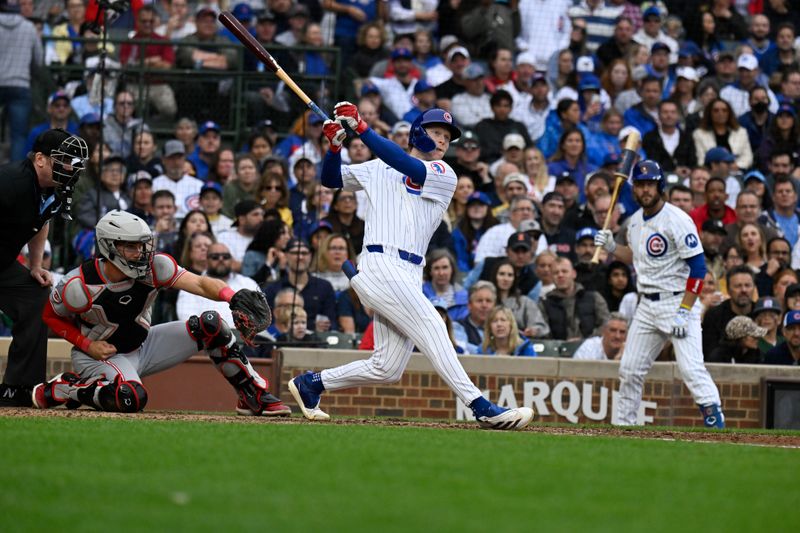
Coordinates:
(14, 396)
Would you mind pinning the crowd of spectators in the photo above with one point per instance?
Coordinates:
(546, 91)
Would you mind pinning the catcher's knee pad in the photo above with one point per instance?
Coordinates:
(119, 396)
(209, 330)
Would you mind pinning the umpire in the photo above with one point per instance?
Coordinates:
(32, 191)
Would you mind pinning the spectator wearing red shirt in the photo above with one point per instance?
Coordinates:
(156, 57)
(714, 208)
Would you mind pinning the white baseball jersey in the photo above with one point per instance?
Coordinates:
(400, 213)
(660, 246)
(186, 191)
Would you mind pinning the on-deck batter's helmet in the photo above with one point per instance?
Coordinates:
(121, 226)
(420, 140)
(649, 170)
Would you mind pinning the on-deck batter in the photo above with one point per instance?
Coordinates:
(666, 252)
(407, 196)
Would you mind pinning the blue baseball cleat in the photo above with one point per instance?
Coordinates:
(302, 390)
(491, 416)
(712, 416)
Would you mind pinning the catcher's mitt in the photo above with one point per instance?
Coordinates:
(251, 313)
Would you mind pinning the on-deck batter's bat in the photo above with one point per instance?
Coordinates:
(629, 156)
(251, 43)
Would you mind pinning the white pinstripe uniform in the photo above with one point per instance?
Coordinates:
(400, 216)
(186, 191)
(660, 245)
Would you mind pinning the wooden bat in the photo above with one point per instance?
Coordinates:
(251, 43)
(629, 156)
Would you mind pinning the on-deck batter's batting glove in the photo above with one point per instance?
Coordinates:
(347, 113)
(251, 313)
(605, 239)
(680, 323)
(335, 134)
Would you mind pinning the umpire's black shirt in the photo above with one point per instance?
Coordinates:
(21, 203)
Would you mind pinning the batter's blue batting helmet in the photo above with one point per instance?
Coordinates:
(420, 140)
(648, 170)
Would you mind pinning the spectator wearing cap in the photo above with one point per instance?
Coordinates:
(652, 33)
(513, 145)
(494, 130)
(351, 15)
(184, 188)
(514, 186)
(58, 116)
(572, 311)
(141, 193)
(570, 157)
(714, 207)
(468, 163)
(243, 13)
(719, 128)
(112, 196)
(667, 143)
(381, 117)
(586, 273)
(620, 43)
(740, 284)
(472, 105)
(450, 80)
(686, 80)
(738, 93)
(178, 24)
(89, 129)
(424, 98)
(211, 196)
(782, 137)
(493, 243)
(720, 162)
(521, 249)
(121, 127)
(740, 343)
(83, 104)
(642, 116)
(397, 90)
(757, 120)
(560, 239)
(298, 18)
(249, 216)
(399, 134)
(544, 29)
(152, 57)
(318, 295)
(208, 144)
(22, 49)
(767, 314)
(470, 228)
(712, 235)
(607, 346)
(601, 19)
(532, 106)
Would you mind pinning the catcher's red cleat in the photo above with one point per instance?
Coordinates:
(270, 406)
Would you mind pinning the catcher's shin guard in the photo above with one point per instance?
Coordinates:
(54, 392)
(214, 335)
(117, 396)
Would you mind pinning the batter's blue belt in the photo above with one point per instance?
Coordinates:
(656, 296)
(414, 259)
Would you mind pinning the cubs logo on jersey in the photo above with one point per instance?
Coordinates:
(192, 202)
(656, 245)
(437, 167)
(411, 187)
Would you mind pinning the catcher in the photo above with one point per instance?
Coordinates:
(103, 308)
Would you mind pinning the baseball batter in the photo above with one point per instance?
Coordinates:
(666, 252)
(103, 308)
(407, 196)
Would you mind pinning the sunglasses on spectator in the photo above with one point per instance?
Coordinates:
(273, 188)
(217, 257)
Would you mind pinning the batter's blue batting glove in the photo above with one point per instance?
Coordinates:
(680, 323)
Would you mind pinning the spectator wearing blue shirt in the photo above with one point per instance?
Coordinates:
(469, 230)
(759, 39)
(643, 115)
(787, 352)
(570, 158)
(439, 275)
(58, 111)
(208, 143)
(244, 14)
(350, 15)
(566, 115)
(658, 67)
(501, 335)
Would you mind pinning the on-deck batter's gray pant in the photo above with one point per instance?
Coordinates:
(649, 332)
(404, 317)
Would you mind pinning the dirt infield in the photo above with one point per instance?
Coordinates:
(753, 438)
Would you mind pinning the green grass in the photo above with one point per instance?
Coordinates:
(74, 474)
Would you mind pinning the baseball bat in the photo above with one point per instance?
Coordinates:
(251, 43)
(629, 156)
